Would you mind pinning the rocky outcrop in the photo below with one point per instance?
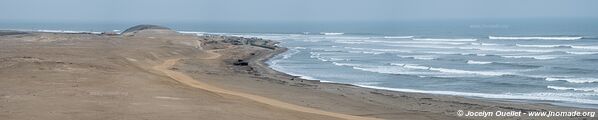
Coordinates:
(251, 41)
(138, 28)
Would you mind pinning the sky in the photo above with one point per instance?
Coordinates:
(289, 10)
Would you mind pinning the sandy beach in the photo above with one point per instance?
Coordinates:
(154, 73)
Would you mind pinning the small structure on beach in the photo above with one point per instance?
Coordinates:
(241, 63)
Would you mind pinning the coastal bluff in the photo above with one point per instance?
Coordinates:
(145, 27)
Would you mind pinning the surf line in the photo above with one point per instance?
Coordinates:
(187, 80)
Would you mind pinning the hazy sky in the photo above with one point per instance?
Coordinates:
(289, 10)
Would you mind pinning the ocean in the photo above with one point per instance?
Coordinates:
(540, 61)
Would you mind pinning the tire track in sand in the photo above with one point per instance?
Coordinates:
(187, 80)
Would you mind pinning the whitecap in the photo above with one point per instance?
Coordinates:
(50, 31)
(456, 71)
(540, 57)
(331, 33)
(345, 64)
(585, 47)
(446, 39)
(415, 66)
(533, 38)
(484, 44)
(476, 54)
(350, 42)
(397, 37)
(572, 80)
(477, 62)
(542, 46)
(367, 83)
(581, 53)
(421, 42)
(420, 57)
(573, 89)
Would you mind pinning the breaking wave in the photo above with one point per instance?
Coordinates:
(397, 37)
(544, 46)
(538, 57)
(444, 39)
(451, 71)
(533, 38)
(477, 62)
(572, 80)
(585, 47)
(573, 89)
(331, 33)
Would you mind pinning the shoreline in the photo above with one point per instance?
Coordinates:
(496, 99)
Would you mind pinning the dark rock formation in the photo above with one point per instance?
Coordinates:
(143, 27)
(251, 41)
(241, 63)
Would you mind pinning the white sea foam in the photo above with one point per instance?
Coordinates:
(573, 89)
(518, 96)
(421, 42)
(477, 62)
(50, 31)
(300, 48)
(533, 38)
(446, 39)
(420, 57)
(345, 64)
(450, 71)
(397, 64)
(483, 44)
(476, 54)
(366, 52)
(290, 54)
(486, 73)
(426, 46)
(572, 80)
(392, 70)
(339, 59)
(582, 53)
(506, 49)
(414, 66)
(331, 33)
(393, 50)
(384, 70)
(350, 42)
(538, 57)
(542, 46)
(367, 83)
(397, 37)
(317, 56)
(584, 47)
